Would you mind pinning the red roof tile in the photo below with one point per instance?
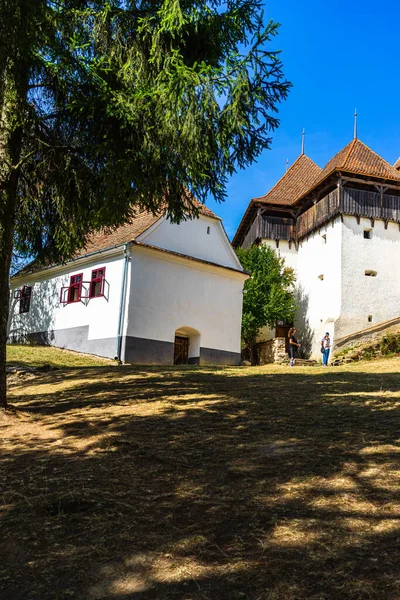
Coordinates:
(358, 158)
(297, 180)
(128, 232)
(294, 183)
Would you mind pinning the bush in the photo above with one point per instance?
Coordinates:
(368, 353)
(390, 344)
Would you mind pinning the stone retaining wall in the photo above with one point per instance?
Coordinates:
(272, 351)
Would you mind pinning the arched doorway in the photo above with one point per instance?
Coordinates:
(187, 346)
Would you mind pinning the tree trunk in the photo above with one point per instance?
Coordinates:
(253, 352)
(12, 104)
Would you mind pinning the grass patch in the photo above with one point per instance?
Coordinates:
(262, 483)
(38, 356)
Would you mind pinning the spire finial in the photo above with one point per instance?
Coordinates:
(355, 123)
(287, 164)
(303, 135)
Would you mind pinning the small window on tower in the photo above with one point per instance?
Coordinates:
(321, 277)
(367, 234)
(371, 273)
(323, 239)
(369, 318)
(208, 230)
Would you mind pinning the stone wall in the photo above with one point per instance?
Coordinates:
(272, 351)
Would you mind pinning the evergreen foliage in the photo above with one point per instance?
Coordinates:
(109, 107)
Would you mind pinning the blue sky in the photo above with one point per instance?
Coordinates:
(339, 56)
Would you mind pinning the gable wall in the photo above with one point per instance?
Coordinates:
(180, 294)
(191, 238)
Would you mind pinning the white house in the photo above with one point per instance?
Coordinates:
(338, 228)
(149, 292)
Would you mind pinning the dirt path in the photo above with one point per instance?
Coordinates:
(257, 484)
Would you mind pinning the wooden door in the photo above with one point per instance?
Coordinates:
(181, 350)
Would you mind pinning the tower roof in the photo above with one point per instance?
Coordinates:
(397, 164)
(296, 181)
(358, 158)
(301, 176)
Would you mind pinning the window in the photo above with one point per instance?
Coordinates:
(323, 239)
(208, 230)
(97, 283)
(371, 273)
(25, 299)
(367, 234)
(75, 288)
(321, 277)
(369, 318)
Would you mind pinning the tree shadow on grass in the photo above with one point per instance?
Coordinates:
(203, 484)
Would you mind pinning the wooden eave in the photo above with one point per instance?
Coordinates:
(245, 224)
(251, 213)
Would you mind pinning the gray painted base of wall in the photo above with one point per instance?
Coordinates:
(141, 351)
(194, 360)
(211, 356)
(137, 351)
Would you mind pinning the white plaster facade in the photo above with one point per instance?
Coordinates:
(183, 279)
(339, 229)
(332, 290)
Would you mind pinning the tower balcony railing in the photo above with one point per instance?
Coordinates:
(270, 228)
(349, 201)
(344, 201)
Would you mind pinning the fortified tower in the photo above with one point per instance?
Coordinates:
(339, 228)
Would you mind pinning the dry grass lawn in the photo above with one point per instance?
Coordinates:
(263, 483)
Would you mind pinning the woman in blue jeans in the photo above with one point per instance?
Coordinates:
(325, 349)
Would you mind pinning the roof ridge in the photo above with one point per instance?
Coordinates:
(352, 146)
(376, 154)
(280, 179)
(285, 174)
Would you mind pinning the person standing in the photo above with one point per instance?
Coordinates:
(325, 349)
(293, 345)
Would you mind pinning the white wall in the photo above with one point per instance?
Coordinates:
(289, 254)
(191, 238)
(179, 293)
(362, 296)
(319, 299)
(46, 313)
(342, 301)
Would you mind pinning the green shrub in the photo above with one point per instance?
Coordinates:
(390, 344)
(368, 353)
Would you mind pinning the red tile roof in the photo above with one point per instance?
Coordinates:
(294, 183)
(128, 232)
(101, 240)
(358, 158)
